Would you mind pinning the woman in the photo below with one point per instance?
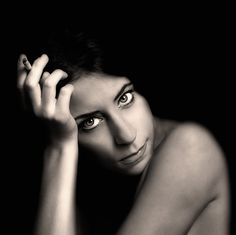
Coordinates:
(137, 174)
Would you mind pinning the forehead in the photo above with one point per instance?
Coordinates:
(94, 91)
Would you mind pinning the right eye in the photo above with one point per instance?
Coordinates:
(91, 123)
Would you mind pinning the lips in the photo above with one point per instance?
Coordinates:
(134, 158)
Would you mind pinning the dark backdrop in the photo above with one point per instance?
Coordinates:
(184, 62)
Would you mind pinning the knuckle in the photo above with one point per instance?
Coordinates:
(46, 113)
(48, 82)
(29, 84)
(64, 91)
(46, 74)
(58, 72)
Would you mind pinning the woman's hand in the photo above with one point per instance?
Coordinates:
(38, 92)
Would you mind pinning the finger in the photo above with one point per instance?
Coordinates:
(21, 72)
(49, 84)
(32, 81)
(44, 77)
(26, 64)
(21, 76)
(64, 97)
(21, 62)
(36, 71)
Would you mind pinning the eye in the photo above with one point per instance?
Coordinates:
(91, 123)
(126, 99)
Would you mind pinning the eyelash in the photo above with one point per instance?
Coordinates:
(99, 119)
(82, 124)
(131, 92)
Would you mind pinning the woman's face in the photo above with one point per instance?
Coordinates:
(114, 122)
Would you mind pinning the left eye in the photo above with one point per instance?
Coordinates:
(91, 123)
(125, 99)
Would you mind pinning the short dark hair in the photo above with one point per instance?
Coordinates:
(79, 51)
(74, 52)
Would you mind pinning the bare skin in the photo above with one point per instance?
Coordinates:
(184, 184)
(175, 181)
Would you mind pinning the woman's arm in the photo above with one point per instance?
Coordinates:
(57, 201)
(186, 175)
(56, 215)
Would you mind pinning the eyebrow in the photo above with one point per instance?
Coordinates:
(86, 115)
(94, 113)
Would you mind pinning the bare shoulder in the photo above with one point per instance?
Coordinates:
(193, 165)
(188, 149)
(189, 136)
(185, 186)
(191, 145)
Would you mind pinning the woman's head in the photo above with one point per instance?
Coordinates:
(114, 121)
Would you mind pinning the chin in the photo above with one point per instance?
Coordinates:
(135, 169)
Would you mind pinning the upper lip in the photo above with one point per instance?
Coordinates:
(132, 154)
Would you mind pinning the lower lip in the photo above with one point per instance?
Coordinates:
(134, 160)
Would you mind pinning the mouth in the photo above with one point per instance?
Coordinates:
(134, 158)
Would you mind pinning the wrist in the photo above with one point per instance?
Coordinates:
(61, 153)
(63, 146)
(59, 141)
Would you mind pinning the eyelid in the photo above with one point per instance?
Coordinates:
(128, 88)
(80, 125)
(131, 91)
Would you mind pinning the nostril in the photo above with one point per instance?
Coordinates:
(125, 136)
(122, 130)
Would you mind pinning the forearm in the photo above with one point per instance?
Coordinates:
(57, 201)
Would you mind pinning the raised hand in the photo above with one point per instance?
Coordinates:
(38, 91)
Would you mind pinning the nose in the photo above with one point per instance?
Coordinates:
(122, 130)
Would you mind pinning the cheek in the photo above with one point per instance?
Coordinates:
(99, 142)
(142, 117)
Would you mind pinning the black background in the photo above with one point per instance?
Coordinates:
(185, 55)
